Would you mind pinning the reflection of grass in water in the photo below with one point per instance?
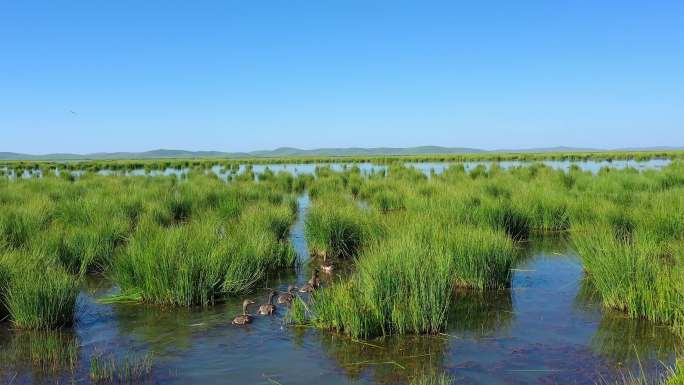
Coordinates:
(153, 325)
(106, 369)
(4, 282)
(432, 379)
(673, 375)
(392, 359)
(627, 340)
(480, 312)
(587, 295)
(551, 243)
(44, 352)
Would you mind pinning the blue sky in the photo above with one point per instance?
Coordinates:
(249, 75)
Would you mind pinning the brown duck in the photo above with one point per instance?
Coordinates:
(268, 308)
(313, 284)
(244, 318)
(288, 296)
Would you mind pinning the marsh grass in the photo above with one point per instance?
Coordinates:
(41, 298)
(638, 275)
(226, 247)
(298, 313)
(405, 285)
(193, 239)
(177, 266)
(337, 228)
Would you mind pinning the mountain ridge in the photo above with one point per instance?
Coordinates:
(282, 152)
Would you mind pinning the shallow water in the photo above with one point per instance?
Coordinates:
(547, 329)
(428, 168)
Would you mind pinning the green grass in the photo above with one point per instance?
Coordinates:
(218, 238)
(199, 262)
(639, 276)
(39, 297)
(676, 376)
(337, 228)
(404, 285)
(180, 266)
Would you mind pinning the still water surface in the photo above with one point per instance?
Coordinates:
(428, 168)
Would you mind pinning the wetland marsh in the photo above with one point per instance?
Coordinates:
(483, 273)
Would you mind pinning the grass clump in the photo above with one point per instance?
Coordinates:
(40, 298)
(180, 266)
(405, 284)
(639, 276)
(337, 228)
(199, 262)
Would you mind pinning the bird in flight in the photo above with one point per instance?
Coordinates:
(73, 112)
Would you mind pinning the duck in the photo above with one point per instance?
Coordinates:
(326, 266)
(313, 284)
(244, 318)
(288, 296)
(268, 308)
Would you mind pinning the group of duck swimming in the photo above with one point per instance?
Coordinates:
(269, 308)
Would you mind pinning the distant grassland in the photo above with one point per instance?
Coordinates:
(156, 164)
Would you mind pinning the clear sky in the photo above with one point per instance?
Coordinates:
(94, 75)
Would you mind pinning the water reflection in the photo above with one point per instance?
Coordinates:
(626, 341)
(389, 360)
(365, 168)
(38, 357)
(481, 314)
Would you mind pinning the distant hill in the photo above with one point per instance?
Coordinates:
(555, 149)
(357, 151)
(283, 152)
(277, 153)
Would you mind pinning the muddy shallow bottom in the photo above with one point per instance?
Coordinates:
(547, 329)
